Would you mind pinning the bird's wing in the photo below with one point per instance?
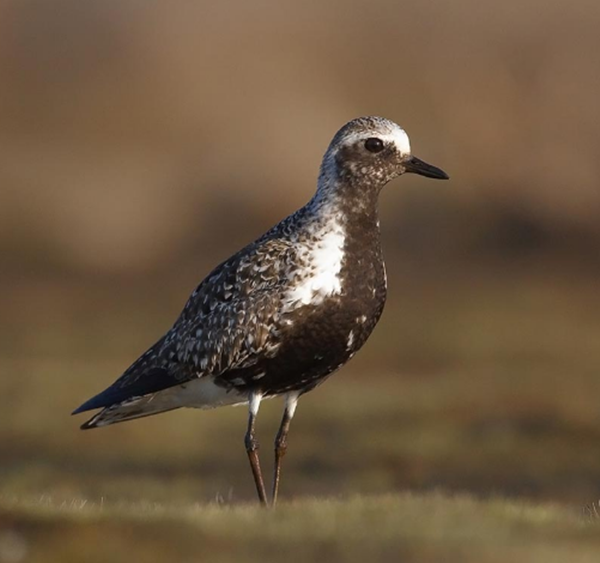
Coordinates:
(229, 322)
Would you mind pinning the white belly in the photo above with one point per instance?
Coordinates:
(199, 393)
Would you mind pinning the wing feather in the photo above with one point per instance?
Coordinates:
(231, 321)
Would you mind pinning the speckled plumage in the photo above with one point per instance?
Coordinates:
(287, 310)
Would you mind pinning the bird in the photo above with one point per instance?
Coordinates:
(285, 312)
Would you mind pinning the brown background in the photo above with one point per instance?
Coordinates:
(142, 142)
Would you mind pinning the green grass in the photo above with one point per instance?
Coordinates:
(404, 527)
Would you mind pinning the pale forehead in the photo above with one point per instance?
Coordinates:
(388, 132)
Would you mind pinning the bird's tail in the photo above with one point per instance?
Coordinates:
(136, 407)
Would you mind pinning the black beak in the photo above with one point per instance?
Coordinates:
(415, 165)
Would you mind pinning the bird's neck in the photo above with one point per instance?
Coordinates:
(353, 206)
(346, 215)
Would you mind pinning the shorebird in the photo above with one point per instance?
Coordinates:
(286, 311)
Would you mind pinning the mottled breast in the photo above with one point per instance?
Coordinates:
(335, 298)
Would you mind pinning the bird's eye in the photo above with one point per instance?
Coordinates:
(373, 144)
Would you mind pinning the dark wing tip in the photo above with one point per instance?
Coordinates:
(95, 402)
(151, 381)
(88, 406)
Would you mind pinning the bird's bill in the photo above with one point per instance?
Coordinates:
(415, 165)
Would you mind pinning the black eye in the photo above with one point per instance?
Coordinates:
(373, 144)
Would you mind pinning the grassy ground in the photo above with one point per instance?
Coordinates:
(478, 394)
(406, 527)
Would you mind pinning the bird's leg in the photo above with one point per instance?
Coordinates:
(281, 440)
(252, 448)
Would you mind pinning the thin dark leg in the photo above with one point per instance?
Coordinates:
(252, 450)
(281, 440)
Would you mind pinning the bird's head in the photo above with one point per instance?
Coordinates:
(373, 151)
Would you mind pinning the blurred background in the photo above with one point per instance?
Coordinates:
(143, 142)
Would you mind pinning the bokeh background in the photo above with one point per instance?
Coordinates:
(143, 142)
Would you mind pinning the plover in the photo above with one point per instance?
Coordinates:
(286, 311)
